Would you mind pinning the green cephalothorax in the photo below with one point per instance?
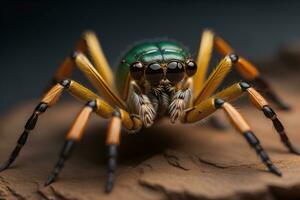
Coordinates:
(155, 61)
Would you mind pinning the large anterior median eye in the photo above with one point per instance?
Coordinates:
(175, 71)
(136, 70)
(191, 68)
(154, 73)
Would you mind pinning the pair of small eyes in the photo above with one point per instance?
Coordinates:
(155, 73)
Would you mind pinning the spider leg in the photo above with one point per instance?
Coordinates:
(249, 72)
(246, 69)
(99, 75)
(233, 92)
(95, 104)
(112, 142)
(80, 61)
(203, 59)
(212, 104)
(87, 43)
(41, 108)
(90, 43)
(50, 98)
(214, 79)
(213, 121)
(73, 136)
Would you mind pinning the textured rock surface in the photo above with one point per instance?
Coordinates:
(165, 162)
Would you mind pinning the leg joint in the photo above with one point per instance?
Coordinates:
(74, 55)
(66, 83)
(31, 122)
(92, 104)
(218, 103)
(234, 57)
(117, 113)
(269, 112)
(42, 107)
(244, 85)
(251, 138)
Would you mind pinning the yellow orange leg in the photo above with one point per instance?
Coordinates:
(248, 71)
(214, 80)
(235, 91)
(87, 43)
(132, 123)
(73, 136)
(103, 109)
(112, 142)
(48, 100)
(97, 80)
(79, 60)
(210, 105)
(90, 43)
(203, 59)
(100, 76)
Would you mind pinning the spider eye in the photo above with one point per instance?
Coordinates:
(154, 73)
(191, 68)
(175, 71)
(136, 70)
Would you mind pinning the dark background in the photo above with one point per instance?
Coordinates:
(35, 36)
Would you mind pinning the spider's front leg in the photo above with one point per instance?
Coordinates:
(209, 106)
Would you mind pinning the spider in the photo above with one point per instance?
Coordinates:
(154, 79)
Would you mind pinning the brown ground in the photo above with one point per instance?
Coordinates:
(165, 162)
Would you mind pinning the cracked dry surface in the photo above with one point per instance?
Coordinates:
(165, 162)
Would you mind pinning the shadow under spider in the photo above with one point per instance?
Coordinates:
(134, 148)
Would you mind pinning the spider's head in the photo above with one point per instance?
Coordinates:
(156, 73)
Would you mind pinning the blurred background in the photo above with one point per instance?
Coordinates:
(35, 36)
